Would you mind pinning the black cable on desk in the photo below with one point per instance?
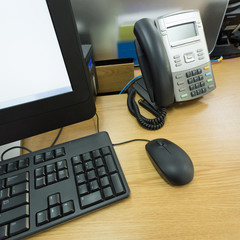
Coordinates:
(150, 124)
(11, 148)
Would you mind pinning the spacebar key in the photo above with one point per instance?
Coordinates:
(91, 199)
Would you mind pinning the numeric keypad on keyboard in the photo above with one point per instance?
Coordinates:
(96, 177)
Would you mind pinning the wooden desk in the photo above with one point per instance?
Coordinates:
(207, 208)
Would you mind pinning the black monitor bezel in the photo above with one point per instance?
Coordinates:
(29, 119)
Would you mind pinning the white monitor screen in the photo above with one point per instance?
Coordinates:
(31, 62)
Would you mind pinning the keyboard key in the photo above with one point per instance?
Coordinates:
(78, 169)
(106, 150)
(39, 158)
(54, 200)
(91, 175)
(102, 171)
(19, 226)
(15, 202)
(2, 183)
(99, 162)
(20, 188)
(108, 193)
(55, 212)
(94, 185)
(22, 177)
(49, 155)
(50, 168)
(96, 153)
(104, 181)
(13, 214)
(42, 217)
(4, 232)
(60, 152)
(63, 174)
(2, 169)
(61, 165)
(86, 156)
(4, 193)
(91, 199)
(40, 182)
(12, 167)
(76, 160)
(23, 163)
(110, 163)
(118, 187)
(81, 178)
(68, 208)
(39, 172)
(88, 165)
(82, 189)
(51, 178)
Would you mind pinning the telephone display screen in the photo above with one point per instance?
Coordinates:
(181, 32)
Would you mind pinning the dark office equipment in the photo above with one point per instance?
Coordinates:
(45, 188)
(229, 37)
(172, 162)
(175, 65)
(33, 117)
(89, 59)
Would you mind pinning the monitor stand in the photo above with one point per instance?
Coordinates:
(12, 153)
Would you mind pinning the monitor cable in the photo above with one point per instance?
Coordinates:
(27, 149)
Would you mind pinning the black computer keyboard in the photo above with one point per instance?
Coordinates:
(48, 187)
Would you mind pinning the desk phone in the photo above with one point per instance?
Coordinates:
(174, 58)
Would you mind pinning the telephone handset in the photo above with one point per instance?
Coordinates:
(173, 57)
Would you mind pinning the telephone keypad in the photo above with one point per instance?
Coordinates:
(193, 83)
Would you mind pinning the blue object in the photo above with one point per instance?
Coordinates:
(129, 83)
(127, 50)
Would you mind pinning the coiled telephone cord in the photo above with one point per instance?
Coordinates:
(150, 124)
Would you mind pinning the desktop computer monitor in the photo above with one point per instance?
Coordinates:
(44, 82)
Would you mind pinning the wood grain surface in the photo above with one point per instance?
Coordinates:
(208, 129)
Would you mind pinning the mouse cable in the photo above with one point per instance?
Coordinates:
(150, 124)
(129, 141)
(125, 142)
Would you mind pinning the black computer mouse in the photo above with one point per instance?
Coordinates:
(172, 162)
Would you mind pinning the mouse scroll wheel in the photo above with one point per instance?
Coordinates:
(161, 144)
